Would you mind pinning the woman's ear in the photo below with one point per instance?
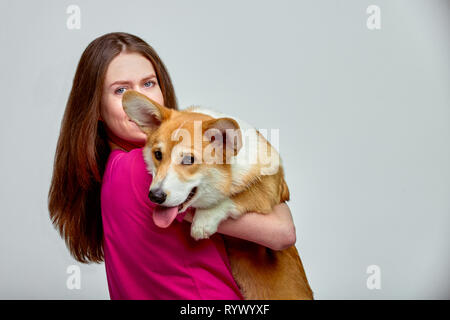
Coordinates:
(145, 112)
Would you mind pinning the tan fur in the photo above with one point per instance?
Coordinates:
(265, 274)
(261, 273)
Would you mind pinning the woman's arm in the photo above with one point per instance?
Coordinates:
(275, 230)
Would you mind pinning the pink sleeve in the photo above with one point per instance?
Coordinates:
(122, 198)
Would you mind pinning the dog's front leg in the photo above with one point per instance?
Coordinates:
(206, 221)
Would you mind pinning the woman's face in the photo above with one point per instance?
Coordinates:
(127, 71)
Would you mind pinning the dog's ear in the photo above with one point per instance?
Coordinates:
(228, 132)
(145, 112)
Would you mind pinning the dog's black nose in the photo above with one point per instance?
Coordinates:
(157, 196)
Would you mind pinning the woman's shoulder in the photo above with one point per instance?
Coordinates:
(123, 157)
(126, 174)
(122, 162)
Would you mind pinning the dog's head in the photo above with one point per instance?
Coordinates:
(188, 154)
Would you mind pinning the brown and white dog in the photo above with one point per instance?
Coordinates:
(223, 167)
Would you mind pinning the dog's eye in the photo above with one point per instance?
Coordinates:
(158, 155)
(188, 160)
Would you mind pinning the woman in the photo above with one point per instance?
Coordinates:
(98, 199)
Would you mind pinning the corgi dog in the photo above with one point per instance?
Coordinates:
(222, 167)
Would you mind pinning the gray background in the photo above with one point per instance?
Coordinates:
(364, 118)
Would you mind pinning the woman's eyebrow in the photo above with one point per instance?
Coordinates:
(127, 82)
(149, 77)
(119, 82)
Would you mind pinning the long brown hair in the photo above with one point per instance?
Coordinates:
(82, 149)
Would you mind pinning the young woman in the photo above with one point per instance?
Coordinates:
(98, 198)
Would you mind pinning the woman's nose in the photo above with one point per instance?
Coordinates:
(136, 88)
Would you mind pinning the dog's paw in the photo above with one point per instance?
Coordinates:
(202, 231)
(234, 213)
(198, 233)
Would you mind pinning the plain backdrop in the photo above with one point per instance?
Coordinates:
(364, 119)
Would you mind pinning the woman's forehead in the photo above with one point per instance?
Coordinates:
(129, 67)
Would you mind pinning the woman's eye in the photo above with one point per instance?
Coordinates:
(149, 84)
(120, 90)
(188, 160)
(158, 155)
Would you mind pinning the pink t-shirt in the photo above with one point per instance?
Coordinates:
(144, 261)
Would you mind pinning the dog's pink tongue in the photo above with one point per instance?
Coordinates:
(163, 216)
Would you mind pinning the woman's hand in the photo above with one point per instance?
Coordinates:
(275, 230)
